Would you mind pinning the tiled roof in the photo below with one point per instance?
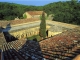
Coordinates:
(59, 44)
(60, 47)
(35, 12)
(77, 58)
(2, 38)
(67, 37)
(13, 22)
(21, 21)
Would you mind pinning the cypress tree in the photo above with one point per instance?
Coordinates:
(43, 26)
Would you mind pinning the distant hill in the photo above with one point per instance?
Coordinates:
(9, 11)
(67, 12)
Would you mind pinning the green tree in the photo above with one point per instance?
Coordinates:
(11, 10)
(43, 26)
(24, 16)
(68, 11)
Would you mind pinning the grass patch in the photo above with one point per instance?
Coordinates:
(34, 37)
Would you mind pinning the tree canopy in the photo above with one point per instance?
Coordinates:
(43, 26)
(67, 12)
(9, 11)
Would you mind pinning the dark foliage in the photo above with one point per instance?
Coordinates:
(43, 26)
(9, 11)
(68, 12)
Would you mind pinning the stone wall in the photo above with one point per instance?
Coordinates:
(27, 32)
(50, 33)
(54, 30)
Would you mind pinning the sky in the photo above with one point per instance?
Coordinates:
(32, 2)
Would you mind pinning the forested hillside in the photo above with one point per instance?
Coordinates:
(9, 11)
(68, 12)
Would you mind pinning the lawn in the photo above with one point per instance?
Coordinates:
(34, 37)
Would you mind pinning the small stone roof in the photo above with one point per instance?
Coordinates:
(35, 12)
(15, 22)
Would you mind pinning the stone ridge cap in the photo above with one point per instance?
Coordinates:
(23, 23)
(62, 24)
(16, 22)
(35, 12)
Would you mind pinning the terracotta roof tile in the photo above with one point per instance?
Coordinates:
(35, 12)
(67, 38)
(77, 58)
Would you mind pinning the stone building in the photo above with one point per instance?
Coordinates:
(34, 14)
(54, 47)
